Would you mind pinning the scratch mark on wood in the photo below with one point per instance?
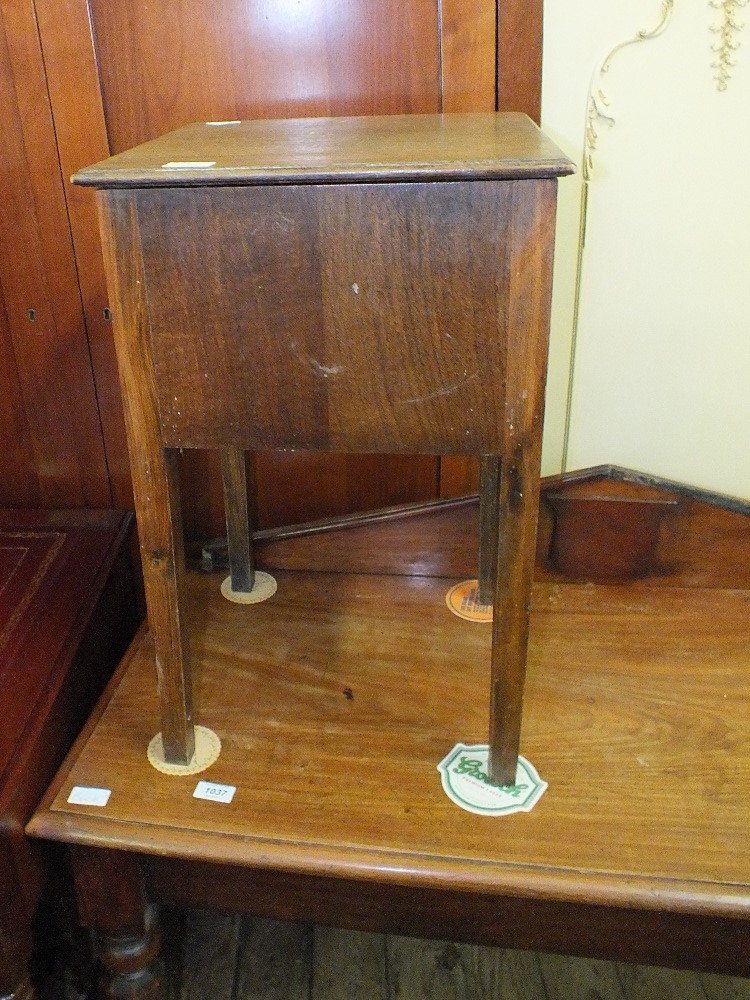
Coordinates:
(448, 390)
(325, 371)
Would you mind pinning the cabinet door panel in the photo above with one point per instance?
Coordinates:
(49, 412)
(194, 61)
(78, 114)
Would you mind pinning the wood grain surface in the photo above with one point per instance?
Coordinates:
(49, 419)
(703, 541)
(346, 785)
(239, 530)
(519, 57)
(72, 79)
(262, 61)
(413, 269)
(468, 56)
(459, 146)
(155, 477)
(67, 614)
(702, 538)
(526, 319)
(335, 701)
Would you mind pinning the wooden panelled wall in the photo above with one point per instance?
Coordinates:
(80, 79)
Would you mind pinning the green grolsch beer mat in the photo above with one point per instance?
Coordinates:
(464, 773)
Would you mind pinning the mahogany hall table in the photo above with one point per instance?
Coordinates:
(334, 705)
(374, 284)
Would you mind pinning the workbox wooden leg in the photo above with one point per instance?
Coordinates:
(510, 621)
(239, 537)
(489, 497)
(155, 476)
(163, 557)
(528, 304)
(112, 903)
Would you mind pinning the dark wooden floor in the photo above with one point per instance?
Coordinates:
(217, 957)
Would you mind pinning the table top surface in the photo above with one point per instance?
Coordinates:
(336, 150)
(336, 700)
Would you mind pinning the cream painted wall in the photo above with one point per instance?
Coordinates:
(661, 376)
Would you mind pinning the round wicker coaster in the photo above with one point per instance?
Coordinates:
(463, 600)
(265, 587)
(207, 750)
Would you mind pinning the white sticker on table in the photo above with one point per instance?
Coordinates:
(81, 795)
(188, 165)
(213, 792)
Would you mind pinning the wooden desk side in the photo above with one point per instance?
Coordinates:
(67, 611)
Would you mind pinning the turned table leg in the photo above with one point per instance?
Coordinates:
(16, 937)
(15, 955)
(112, 903)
